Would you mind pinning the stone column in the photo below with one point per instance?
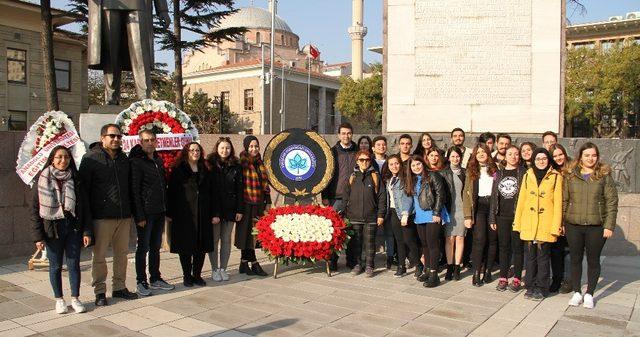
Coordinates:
(322, 110)
(357, 31)
(338, 119)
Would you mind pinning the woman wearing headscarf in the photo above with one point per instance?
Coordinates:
(58, 223)
(256, 200)
(538, 219)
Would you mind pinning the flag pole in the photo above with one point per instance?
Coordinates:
(274, 4)
(309, 91)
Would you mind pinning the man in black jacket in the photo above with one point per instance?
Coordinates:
(105, 172)
(148, 188)
(344, 154)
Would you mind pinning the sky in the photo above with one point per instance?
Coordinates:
(324, 23)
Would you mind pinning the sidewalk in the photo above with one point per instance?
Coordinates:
(304, 301)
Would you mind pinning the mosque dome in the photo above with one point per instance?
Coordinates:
(253, 18)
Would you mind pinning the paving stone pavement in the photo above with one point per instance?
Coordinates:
(304, 301)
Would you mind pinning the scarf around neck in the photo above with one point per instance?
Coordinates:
(56, 193)
(256, 183)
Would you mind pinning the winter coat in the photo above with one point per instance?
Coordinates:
(228, 182)
(494, 207)
(43, 230)
(344, 163)
(470, 197)
(432, 198)
(449, 188)
(362, 202)
(590, 202)
(403, 202)
(148, 186)
(539, 209)
(191, 205)
(107, 184)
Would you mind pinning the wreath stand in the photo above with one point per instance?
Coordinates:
(41, 262)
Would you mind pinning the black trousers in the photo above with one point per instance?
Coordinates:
(485, 240)
(558, 252)
(248, 255)
(396, 230)
(583, 238)
(429, 234)
(192, 264)
(363, 243)
(510, 245)
(537, 276)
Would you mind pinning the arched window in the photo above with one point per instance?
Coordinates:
(282, 39)
(258, 40)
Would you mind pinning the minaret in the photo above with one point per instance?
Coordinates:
(357, 31)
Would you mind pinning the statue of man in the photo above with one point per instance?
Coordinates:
(121, 38)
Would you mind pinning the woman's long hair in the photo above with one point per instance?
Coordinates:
(473, 167)
(72, 163)
(567, 159)
(386, 172)
(410, 186)
(532, 146)
(214, 158)
(439, 165)
(599, 171)
(184, 156)
(420, 150)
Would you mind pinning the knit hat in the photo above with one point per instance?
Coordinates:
(247, 140)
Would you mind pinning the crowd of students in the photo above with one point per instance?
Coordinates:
(455, 209)
(495, 204)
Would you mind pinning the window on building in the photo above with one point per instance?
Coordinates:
(16, 65)
(63, 75)
(224, 100)
(589, 45)
(282, 40)
(606, 45)
(248, 99)
(258, 39)
(17, 120)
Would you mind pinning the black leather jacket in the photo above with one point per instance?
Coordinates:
(148, 184)
(434, 197)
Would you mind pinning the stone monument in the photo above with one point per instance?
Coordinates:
(484, 65)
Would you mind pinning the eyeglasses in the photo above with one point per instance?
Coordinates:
(364, 160)
(542, 159)
(112, 136)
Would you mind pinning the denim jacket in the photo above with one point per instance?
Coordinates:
(403, 202)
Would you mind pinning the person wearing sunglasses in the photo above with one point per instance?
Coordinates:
(105, 172)
(365, 204)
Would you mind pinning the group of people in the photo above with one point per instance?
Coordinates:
(463, 207)
(202, 198)
(492, 204)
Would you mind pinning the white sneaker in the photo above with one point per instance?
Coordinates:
(588, 301)
(224, 274)
(61, 306)
(77, 306)
(216, 275)
(576, 299)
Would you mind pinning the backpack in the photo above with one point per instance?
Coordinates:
(374, 176)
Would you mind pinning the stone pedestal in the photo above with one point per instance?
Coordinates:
(91, 122)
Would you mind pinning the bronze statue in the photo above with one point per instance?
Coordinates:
(121, 38)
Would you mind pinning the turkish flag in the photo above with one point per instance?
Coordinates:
(314, 52)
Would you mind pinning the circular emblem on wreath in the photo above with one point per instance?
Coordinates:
(299, 163)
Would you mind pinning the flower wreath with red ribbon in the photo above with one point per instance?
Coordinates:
(302, 234)
(161, 117)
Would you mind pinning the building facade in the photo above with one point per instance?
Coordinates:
(22, 98)
(235, 73)
(623, 29)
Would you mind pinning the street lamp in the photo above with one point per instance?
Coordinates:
(217, 105)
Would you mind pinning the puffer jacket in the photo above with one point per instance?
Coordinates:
(539, 209)
(402, 202)
(362, 202)
(148, 185)
(590, 202)
(107, 182)
(432, 198)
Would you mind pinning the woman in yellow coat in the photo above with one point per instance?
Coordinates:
(538, 219)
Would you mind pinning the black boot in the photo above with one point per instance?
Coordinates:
(555, 285)
(477, 280)
(389, 262)
(433, 281)
(449, 275)
(487, 277)
(244, 267)
(456, 272)
(425, 276)
(400, 271)
(256, 269)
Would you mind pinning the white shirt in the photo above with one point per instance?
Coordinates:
(485, 184)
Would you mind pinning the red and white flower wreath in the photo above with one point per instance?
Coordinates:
(161, 117)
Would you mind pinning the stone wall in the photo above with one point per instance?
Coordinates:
(16, 197)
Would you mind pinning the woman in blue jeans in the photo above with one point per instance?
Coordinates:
(58, 223)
